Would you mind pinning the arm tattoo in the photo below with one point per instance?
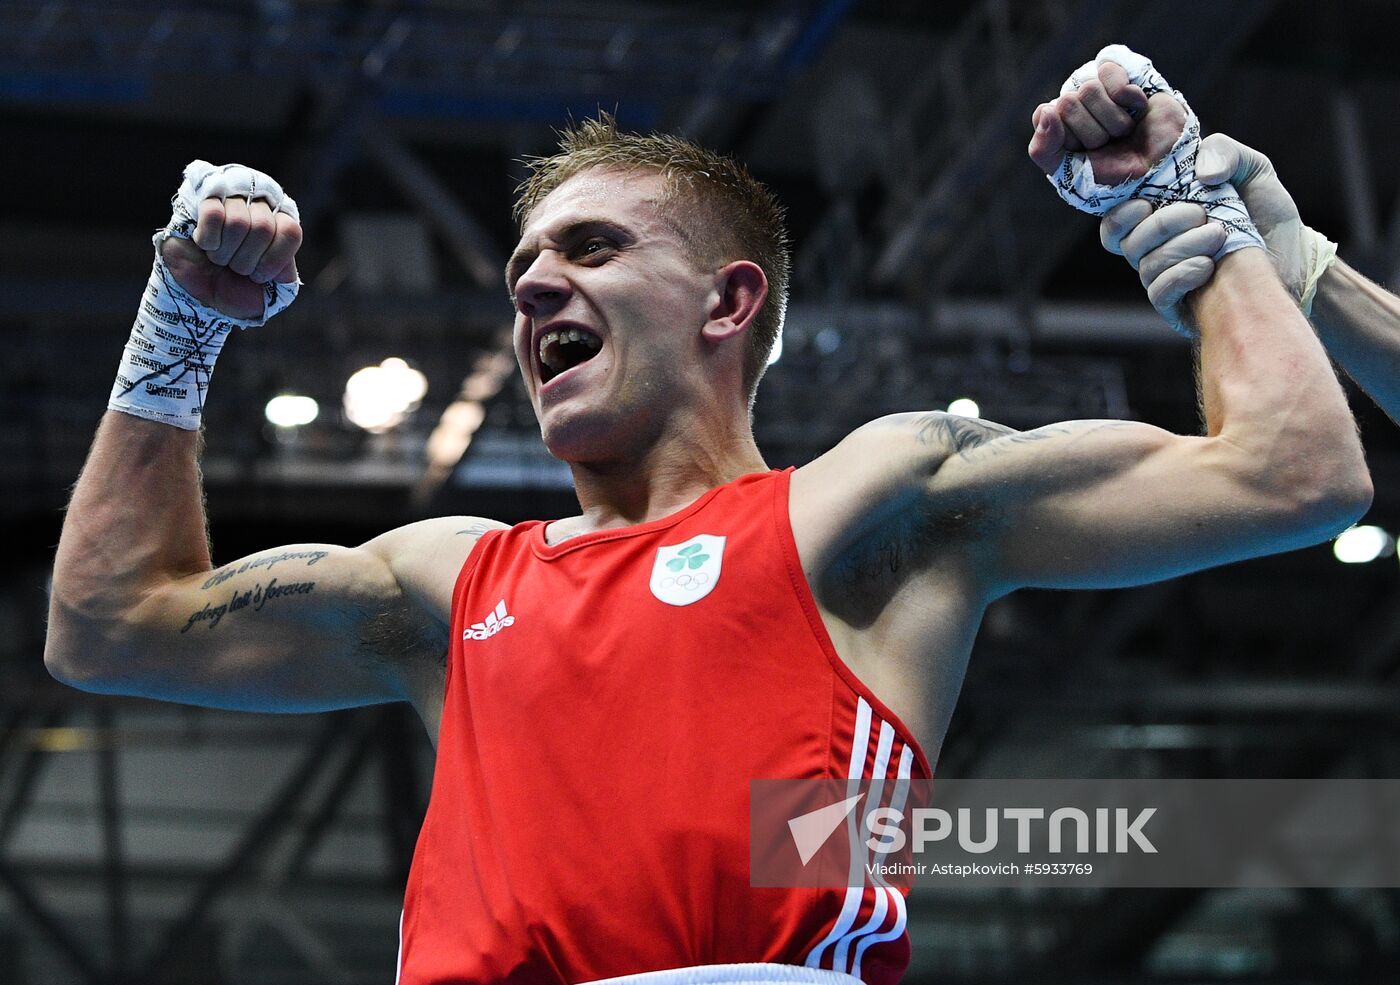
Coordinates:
(958, 433)
(265, 561)
(973, 440)
(1015, 438)
(475, 530)
(967, 435)
(251, 600)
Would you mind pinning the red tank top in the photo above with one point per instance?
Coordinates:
(608, 700)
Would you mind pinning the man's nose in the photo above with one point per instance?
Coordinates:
(543, 288)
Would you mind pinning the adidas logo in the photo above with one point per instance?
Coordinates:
(495, 621)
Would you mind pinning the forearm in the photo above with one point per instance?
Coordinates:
(135, 522)
(1268, 387)
(1359, 322)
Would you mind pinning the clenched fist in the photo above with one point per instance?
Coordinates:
(1123, 132)
(225, 260)
(238, 246)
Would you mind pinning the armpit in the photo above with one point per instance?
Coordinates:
(901, 539)
(399, 636)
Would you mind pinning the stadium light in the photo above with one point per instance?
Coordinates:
(1361, 544)
(378, 398)
(290, 410)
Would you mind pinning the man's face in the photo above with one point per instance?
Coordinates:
(608, 308)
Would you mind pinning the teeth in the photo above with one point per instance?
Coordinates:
(550, 341)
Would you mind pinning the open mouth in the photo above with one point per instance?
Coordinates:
(564, 349)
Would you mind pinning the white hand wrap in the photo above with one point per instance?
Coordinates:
(175, 340)
(1173, 179)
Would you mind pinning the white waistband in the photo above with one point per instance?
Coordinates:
(734, 974)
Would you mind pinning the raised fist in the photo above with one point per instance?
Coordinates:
(1118, 131)
(233, 232)
(1123, 132)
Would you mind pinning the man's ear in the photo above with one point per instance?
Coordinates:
(742, 288)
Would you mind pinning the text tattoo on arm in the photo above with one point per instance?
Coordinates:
(251, 599)
(255, 598)
(266, 561)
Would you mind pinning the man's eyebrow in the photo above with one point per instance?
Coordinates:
(521, 259)
(518, 263)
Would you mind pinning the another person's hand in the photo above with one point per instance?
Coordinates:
(1172, 249)
(1172, 254)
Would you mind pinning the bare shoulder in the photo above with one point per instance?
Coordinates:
(879, 470)
(946, 474)
(900, 446)
(427, 556)
(869, 516)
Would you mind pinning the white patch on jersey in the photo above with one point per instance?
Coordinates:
(686, 573)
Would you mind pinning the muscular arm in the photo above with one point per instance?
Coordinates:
(1109, 503)
(1279, 467)
(1359, 323)
(137, 607)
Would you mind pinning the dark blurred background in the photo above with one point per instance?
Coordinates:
(160, 844)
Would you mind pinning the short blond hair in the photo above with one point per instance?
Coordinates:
(727, 214)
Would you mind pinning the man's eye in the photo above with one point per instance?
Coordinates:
(592, 247)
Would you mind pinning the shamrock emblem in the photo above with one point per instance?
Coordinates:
(688, 556)
(687, 572)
